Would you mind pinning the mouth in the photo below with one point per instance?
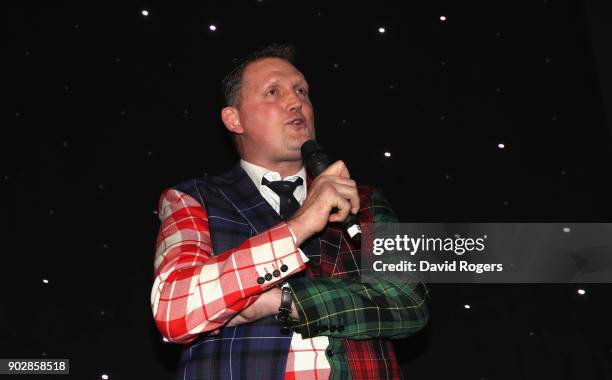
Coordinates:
(297, 122)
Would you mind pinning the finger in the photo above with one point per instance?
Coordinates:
(338, 168)
(333, 179)
(343, 207)
(350, 193)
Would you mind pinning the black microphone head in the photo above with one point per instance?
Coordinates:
(314, 157)
(309, 147)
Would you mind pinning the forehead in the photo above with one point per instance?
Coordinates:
(260, 72)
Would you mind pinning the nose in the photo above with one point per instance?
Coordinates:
(294, 103)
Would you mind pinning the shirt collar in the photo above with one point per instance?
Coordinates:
(256, 173)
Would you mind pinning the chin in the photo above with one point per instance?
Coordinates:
(297, 145)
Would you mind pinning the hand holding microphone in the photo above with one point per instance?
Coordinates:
(332, 197)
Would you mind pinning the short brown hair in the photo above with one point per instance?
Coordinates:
(233, 81)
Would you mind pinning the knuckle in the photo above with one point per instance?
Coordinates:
(328, 189)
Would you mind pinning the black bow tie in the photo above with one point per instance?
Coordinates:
(285, 189)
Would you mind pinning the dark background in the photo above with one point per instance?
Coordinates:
(106, 107)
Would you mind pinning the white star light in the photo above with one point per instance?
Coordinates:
(442, 18)
(581, 292)
(566, 229)
(212, 28)
(501, 146)
(145, 12)
(104, 377)
(467, 306)
(45, 281)
(381, 30)
(387, 154)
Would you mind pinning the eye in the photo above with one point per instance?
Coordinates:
(302, 91)
(272, 91)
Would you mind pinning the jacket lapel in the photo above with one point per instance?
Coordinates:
(238, 189)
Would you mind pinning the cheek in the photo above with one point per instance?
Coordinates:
(264, 122)
(308, 111)
(267, 118)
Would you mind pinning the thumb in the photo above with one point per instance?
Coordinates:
(338, 168)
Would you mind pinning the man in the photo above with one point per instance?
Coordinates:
(228, 244)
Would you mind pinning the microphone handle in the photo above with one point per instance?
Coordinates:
(316, 163)
(350, 224)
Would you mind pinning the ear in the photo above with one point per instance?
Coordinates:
(231, 119)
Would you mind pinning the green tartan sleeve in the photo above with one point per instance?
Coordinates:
(347, 308)
(355, 310)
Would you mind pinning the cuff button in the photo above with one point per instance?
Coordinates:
(284, 268)
(268, 276)
(276, 273)
(260, 280)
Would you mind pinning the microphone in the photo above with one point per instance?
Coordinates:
(316, 161)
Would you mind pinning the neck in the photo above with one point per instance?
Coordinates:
(285, 168)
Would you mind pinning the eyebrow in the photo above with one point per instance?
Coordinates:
(275, 81)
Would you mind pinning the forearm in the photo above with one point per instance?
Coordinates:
(195, 291)
(355, 310)
(267, 304)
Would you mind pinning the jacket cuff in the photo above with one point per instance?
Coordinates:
(274, 256)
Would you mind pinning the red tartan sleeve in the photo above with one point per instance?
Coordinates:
(195, 291)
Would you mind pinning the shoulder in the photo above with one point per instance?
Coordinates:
(208, 183)
(187, 192)
(188, 185)
(374, 206)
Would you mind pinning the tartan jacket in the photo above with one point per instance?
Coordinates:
(358, 318)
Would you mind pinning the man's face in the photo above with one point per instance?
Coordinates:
(275, 112)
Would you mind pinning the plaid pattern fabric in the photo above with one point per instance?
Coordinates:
(359, 318)
(307, 359)
(195, 292)
(212, 229)
(239, 354)
(347, 308)
(234, 212)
